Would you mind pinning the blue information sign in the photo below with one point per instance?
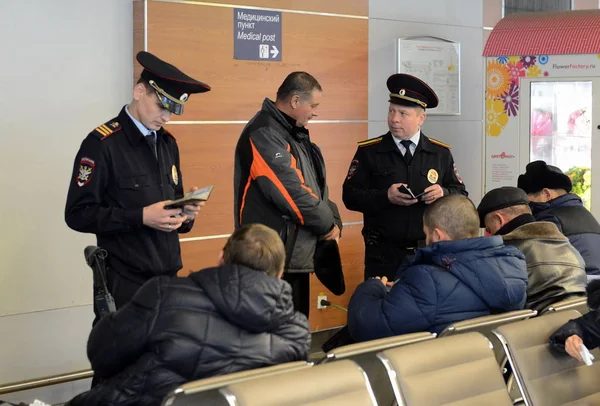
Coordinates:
(256, 35)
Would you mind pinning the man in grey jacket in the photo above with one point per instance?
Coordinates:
(280, 179)
(555, 268)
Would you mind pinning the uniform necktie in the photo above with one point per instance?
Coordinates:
(407, 155)
(151, 141)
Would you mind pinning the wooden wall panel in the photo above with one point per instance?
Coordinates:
(138, 36)
(352, 251)
(199, 255)
(338, 143)
(199, 40)
(351, 7)
(207, 153)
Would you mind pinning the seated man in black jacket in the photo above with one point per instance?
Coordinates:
(236, 316)
(584, 330)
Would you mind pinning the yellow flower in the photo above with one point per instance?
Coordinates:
(534, 71)
(514, 59)
(496, 118)
(498, 79)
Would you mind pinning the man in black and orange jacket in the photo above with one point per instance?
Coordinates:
(280, 177)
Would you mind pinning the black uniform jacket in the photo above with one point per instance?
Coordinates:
(377, 164)
(115, 175)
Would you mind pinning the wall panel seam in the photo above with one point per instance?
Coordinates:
(283, 10)
(220, 236)
(218, 122)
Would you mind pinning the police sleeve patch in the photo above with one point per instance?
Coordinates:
(352, 170)
(86, 170)
(457, 174)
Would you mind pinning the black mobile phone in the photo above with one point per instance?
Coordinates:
(406, 191)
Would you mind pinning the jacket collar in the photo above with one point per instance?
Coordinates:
(538, 229)
(388, 144)
(134, 135)
(283, 119)
(567, 200)
(516, 222)
(453, 247)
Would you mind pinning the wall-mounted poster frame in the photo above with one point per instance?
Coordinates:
(436, 61)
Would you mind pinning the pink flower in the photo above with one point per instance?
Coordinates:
(516, 70)
(546, 73)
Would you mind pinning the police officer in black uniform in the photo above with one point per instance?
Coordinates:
(404, 157)
(124, 174)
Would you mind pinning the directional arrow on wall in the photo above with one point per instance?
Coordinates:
(274, 51)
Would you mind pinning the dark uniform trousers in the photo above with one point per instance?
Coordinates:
(116, 174)
(300, 283)
(387, 260)
(391, 232)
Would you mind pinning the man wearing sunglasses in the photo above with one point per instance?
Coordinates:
(124, 174)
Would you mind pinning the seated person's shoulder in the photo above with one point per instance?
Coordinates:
(418, 275)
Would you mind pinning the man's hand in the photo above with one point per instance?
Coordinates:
(572, 346)
(157, 217)
(432, 193)
(385, 281)
(192, 210)
(334, 234)
(396, 197)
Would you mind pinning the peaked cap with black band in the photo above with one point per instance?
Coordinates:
(172, 86)
(407, 90)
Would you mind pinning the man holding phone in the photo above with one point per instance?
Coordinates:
(393, 177)
(125, 173)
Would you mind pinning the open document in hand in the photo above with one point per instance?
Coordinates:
(200, 195)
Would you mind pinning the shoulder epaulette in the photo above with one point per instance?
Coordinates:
(440, 143)
(107, 129)
(169, 134)
(370, 142)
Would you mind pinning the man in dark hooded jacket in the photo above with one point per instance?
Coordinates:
(458, 276)
(234, 317)
(548, 190)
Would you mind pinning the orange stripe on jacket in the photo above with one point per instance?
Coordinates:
(244, 196)
(261, 168)
(294, 165)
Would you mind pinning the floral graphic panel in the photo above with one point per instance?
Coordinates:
(528, 60)
(511, 100)
(516, 70)
(498, 79)
(534, 71)
(496, 118)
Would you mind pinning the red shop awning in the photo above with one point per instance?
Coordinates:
(555, 33)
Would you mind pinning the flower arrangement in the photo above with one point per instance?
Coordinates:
(582, 183)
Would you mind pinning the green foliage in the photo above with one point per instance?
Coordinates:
(582, 183)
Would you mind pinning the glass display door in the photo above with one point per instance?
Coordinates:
(560, 127)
